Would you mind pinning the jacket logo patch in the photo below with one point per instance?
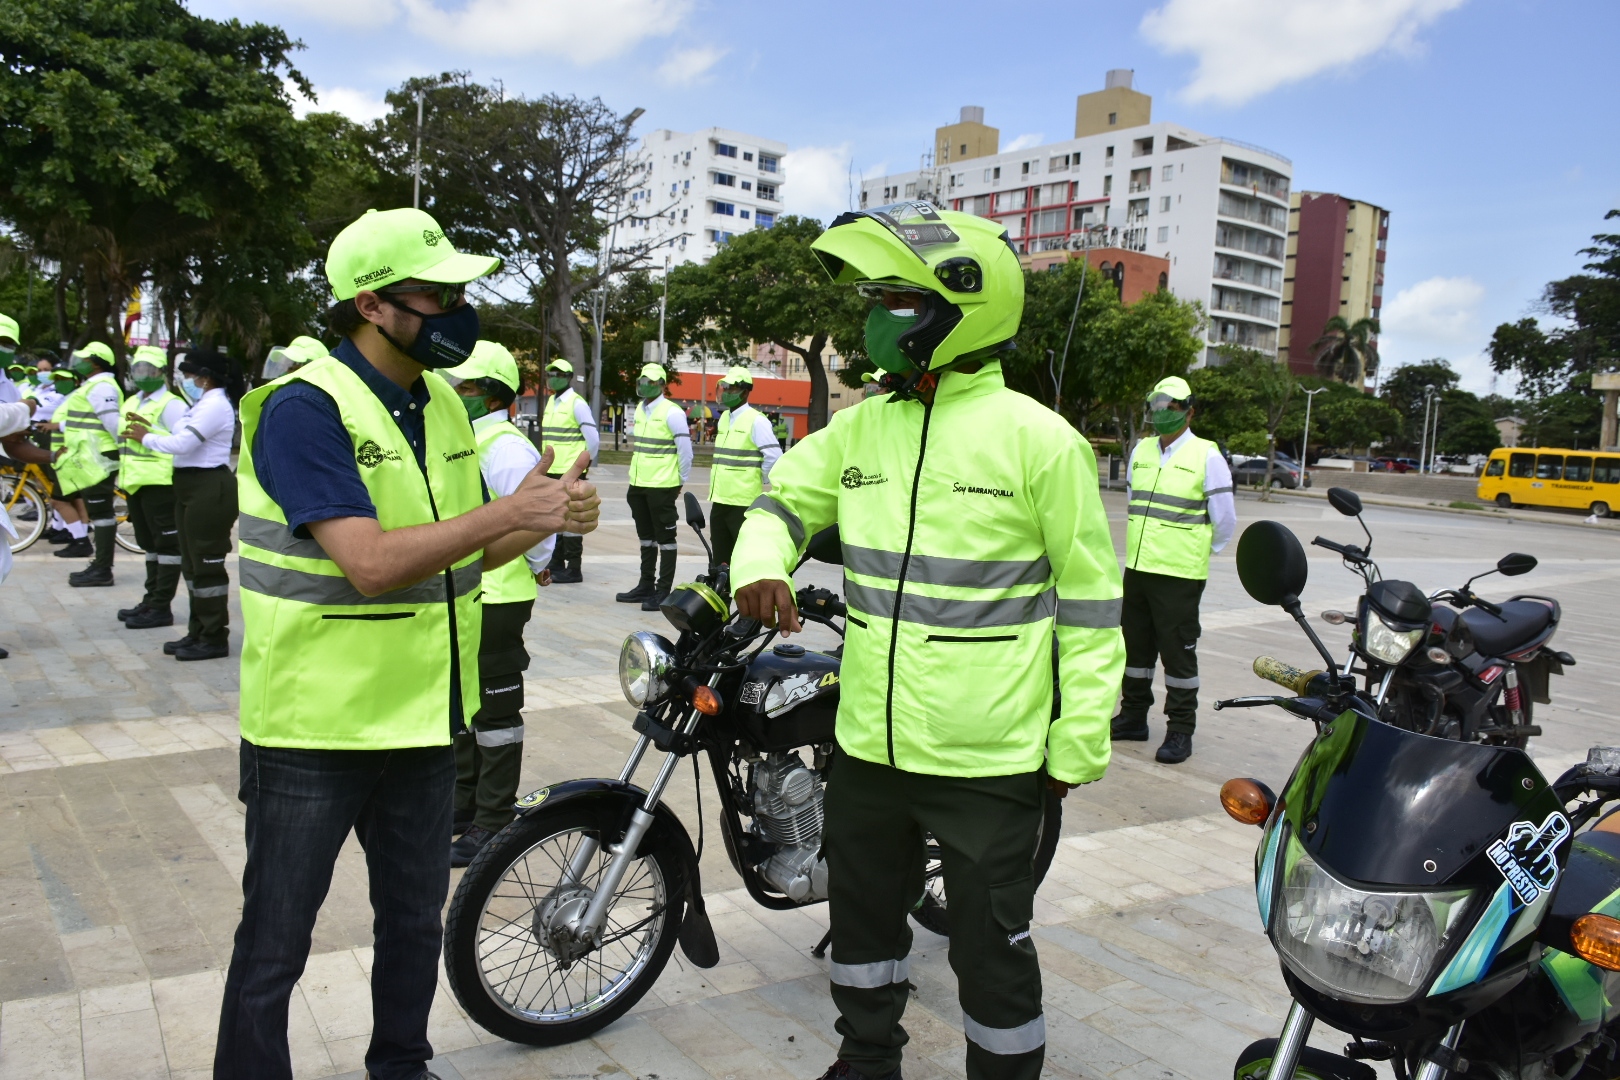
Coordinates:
(371, 455)
(853, 478)
(459, 454)
(972, 489)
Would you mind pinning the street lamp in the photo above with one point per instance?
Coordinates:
(1305, 442)
(1423, 440)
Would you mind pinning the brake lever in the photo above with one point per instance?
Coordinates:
(1252, 701)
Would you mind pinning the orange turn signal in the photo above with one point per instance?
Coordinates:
(1597, 940)
(1248, 801)
(706, 701)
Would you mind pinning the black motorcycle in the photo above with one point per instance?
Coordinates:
(567, 916)
(1471, 670)
(1437, 900)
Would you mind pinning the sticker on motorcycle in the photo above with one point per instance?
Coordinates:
(1526, 858)
(533, 798)
(752, 692)
(793, 690)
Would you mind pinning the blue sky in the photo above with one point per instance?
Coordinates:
(1487, 127)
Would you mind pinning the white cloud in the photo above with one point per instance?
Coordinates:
(687, 66)
(818, 181)
(350, 13)
(1023, 142)
(1246, 48)
(1439, 316)
(361, 106)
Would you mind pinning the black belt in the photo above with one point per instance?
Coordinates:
(201, 468)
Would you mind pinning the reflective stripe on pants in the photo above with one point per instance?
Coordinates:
(1160, 621)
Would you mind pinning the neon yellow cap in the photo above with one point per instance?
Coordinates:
(738, 374)
(489, 360)
(98, 349)
(1174, 386)
(150, 354)
(9, 328)
(384, 247)
(654, 372)
(561, 365)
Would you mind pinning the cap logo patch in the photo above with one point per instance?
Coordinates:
(431, 238)
(386, 271)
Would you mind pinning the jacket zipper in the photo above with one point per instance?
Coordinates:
(900, 583)
(1142, 535)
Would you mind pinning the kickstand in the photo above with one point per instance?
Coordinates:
(820, 951)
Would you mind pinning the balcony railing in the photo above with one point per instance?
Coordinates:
(1139, 185)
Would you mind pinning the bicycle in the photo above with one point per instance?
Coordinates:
(26, 491)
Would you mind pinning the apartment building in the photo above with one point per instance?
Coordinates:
(1334, 266)
(1215, 209)
(699, 189)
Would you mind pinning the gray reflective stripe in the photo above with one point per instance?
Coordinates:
(939, 570)
(1139, 673)
(85, 425)
(649, 446)
(668, 547)
(503, 736)
(870, 976)
(648, 543)
(195, 432)
(587, 423)
(1181, 684)
(329, 591)
(169, 560)
(1162, 499)
(739, 457)
(103, 523)
(1227, 490)
(275, 536)
(211, 590)
(1092, 614)
(1168, 515)
(795, 527)
(956, 614)
(1014, 1040)
(151, 556)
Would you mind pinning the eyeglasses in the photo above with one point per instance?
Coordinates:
(449, 296)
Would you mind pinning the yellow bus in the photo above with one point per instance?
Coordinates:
(1548, 476)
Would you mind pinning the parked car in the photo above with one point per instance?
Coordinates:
(1252, 472)
(1392, 464)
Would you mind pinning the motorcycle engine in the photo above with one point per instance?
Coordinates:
(787, 798)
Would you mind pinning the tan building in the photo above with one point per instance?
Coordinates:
(968, 138)
(1134, 273)
(1333, 265)
(1116, 105)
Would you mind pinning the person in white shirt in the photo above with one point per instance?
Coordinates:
(567, 426)
(660, 464)
(87, 464)
(489, 755)
(745, 448)
(147, 478)
(14, 417)
(11, 370)
(204, 496)
(70, 527)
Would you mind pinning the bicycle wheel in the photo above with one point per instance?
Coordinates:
(126, 532)
(27, 508)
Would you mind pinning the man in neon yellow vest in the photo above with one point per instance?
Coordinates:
(660, 462)
(147, 477)
(973, 535)
(364, 535)
(745, 449)
(567, 426)
(87, 465)
(1180, 511)
(490, 755)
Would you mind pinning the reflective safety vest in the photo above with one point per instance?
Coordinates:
(87, 440)
(964, 554)
(138, 466)
(1167, 527)
(513, 582)
(737, 476)
(559, 429)
(654, 461)
(324, 666)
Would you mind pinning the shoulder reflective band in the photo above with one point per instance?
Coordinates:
(795, 527)
(1227, 490)
(870, 976)
(274, 536)
(1090, 614)
(939, 570)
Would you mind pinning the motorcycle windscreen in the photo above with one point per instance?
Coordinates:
(1379, 805)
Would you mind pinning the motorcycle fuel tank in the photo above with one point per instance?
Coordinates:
(789, 698)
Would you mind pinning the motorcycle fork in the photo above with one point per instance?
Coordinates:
(1291, 1043)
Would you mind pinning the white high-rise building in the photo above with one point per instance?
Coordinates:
(702, 188)
(1216, 208)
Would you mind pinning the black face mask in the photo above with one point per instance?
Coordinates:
(444, 340)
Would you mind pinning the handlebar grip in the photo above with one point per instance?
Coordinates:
(1287, 676)
(1324, 542)
(1494, 609)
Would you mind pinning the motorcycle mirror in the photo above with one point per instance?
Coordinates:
(1271, 563)
(1344, 501)
(826, 546)
(1515, 563)
(694, 512)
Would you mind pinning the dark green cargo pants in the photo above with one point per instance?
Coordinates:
(151, 512)
(204, 514)
(986, 828)
(489, 756)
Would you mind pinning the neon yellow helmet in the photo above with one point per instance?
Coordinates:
(489, 360)
(961, 268)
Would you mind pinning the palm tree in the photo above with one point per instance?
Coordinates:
(1347, 351)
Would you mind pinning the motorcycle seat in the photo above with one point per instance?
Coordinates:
(1520, 622)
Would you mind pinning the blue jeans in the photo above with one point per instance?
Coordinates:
(301, 805)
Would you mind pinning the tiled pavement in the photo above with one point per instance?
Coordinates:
(121, 849)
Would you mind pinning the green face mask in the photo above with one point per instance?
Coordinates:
(559, 383)
(7, 356)
(1168, 421)
(883, 330)
(475, 406)
(84, 368)
(149, 386)
(731, 400)
(646, 389)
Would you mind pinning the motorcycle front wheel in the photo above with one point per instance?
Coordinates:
(1255, 1064)
(508, 972)
(933, 912)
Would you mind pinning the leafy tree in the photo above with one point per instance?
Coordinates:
(1347, 351)
(1159, 336)
(1270, 387)
(1406, 388)
(1049, 304)
(1341, 416)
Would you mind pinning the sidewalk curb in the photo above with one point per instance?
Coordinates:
(1612, 526)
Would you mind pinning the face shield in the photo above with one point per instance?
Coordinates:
(648, 389)
(1167, 414)
(148, 378)
(279, 362)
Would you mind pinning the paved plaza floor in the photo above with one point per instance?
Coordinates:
(121, 841)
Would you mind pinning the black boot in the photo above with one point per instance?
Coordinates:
(81, 548)
(463, 850)
(172, 647)
(58, 535)
(644, 587)
(91, 577)
(124, 614)
(1129, 729)
(666, 580)
(150, 617)
(565, 568)
(1176, 749)
(842, 1070)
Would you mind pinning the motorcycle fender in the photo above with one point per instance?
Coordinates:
(695, 933)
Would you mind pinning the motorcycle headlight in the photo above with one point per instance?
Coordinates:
(1383, 642)
(1376, 947)
(644, 662)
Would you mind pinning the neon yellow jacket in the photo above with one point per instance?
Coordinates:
(978, 520)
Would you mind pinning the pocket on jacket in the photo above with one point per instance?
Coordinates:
(976, 683)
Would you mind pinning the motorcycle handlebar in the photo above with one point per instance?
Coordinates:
(1349, 551)
(1486, 605)
(1287, 676)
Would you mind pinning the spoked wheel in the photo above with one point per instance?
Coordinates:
(29, 514)
(126, 531)
(512, 964)
(934, 912)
